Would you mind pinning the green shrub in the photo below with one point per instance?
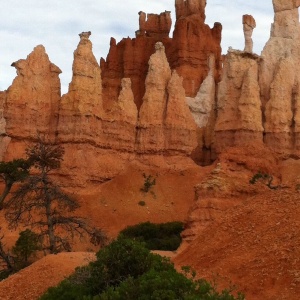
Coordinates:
(115, 263)
(149, 182)
(165, 236)
(127, 270)
(266, 179)
(142, 203)
(26, 246)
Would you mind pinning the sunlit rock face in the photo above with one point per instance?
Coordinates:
(239, 120)
(279, 78)
(187, 52)
(32, 101)
(165, 122)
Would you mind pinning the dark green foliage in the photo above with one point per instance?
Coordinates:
(26, 245)
(115, 263)
(149, 182)
(13, 171)
(45, 156)
(142, 203)
(164, 285)
(127, 270)
(267, 179)
(4, 274)
(165, 236)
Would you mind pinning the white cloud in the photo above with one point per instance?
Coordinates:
(56, 25)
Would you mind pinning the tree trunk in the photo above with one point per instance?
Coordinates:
(6, 258)
(51, 235)
(5, 193)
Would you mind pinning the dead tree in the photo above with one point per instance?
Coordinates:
(42, 205)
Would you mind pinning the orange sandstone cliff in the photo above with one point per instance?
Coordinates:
(157, 97)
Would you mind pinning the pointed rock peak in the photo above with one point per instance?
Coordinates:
(248, 25)
(126, 100)
(84, 49)
(159, 71)
(126, 95)
(186, 8)
(159, 47)
(37, 61)
(85, 35)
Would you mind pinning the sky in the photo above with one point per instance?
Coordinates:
(57, 23)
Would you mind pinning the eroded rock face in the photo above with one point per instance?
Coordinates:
(128, 59)
(189, 7)
(193, 43)
(248, 25)
(165, 122)
(279, 78)
(32, 101)
(239, 120)
(187, 52)
(153, 25)
(81, 108)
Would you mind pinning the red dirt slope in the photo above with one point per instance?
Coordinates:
(33, 281)
(255, 245)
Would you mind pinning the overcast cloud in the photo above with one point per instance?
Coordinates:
(56, 25)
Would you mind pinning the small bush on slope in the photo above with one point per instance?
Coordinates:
(127, 270)
(165, 236)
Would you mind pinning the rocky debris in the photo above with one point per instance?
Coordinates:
(254, 245)
(31, 282)
(248, 25)
(227, 184)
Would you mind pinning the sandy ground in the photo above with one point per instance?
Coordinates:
(254, 245)
(33, 281)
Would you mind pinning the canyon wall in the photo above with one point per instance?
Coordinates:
(258, 96)
(156, 97)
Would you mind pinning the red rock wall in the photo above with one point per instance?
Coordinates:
(187, 52)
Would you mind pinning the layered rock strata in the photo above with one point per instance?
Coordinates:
(98, 142)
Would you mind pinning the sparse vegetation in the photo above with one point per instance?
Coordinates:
(125, 269)
(165, 236)
(141, 203)
(265, 178)
(149, 182)
(17, 259)
(13, 171)
(26, 246)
